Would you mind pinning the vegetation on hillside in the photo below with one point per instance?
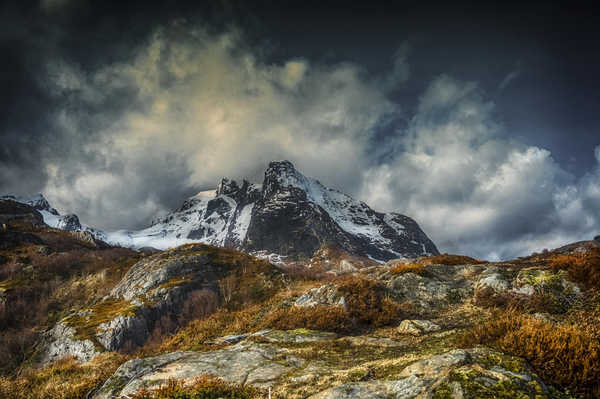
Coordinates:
(205, 387)
(556, 331)
(41, 283)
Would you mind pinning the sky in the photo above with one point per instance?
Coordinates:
(480, 122)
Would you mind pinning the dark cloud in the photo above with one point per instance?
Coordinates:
(480, 122)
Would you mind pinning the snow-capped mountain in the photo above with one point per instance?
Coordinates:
(288, 215)
(54, 219)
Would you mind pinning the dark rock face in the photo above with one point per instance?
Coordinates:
(296, 215)
(37, 202)
(16, 212)
(69, 223)
(290, 225)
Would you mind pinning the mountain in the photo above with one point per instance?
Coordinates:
(288, 215)
(52, 218)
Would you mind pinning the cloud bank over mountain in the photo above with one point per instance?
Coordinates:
(132, 137)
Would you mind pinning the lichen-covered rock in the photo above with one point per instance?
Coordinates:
(324, 295)
(417, 327)
(298, 335)
(151, 272)
(492, 278)
(406, 388)
(244, 363)
(543, 280)
(63, 342)
(154, 286)
(112, 335)
(474, 373)
(88, 238)
(440, 287)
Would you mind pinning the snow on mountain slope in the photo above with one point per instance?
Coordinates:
(288, 215)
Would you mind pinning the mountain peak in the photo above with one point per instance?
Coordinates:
(283, 164)
(37, 201)
(227, 187)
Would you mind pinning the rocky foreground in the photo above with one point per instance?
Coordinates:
(418, 352)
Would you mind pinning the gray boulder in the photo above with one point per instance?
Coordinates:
(417, 327)
(62, 342)
(441, 286)
(250, 363)
(324, 295)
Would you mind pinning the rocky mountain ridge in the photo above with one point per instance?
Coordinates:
(289, 215)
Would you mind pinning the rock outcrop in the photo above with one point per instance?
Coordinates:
(156, 285)
(457, 373)
(417, 327)
(16, 212)
(325, 295)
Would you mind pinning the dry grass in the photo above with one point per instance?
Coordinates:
(539, 302)
(368, 304)
(450, 260)
(205, 387)
(401, 268)
(582, 268)
(42, 288)
(562, 354)
(65, 379)
(324, 318)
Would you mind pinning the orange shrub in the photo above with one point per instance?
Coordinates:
(450, 260)
(539, 302)
(324, 318)
(582, 268)
(368, 304)
(401, 268)
(561, 354)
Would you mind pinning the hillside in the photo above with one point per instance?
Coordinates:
(201, 321)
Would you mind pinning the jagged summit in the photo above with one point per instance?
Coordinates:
(37, 201)
(289, 214)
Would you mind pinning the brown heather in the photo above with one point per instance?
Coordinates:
(562, 354)
(539, 302)
(401, 268)
(42, 288)
(204, 387)
(450, 259)
(64, 379)
(324, 318)
(582, 268)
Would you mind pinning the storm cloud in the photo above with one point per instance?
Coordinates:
(123, 138)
